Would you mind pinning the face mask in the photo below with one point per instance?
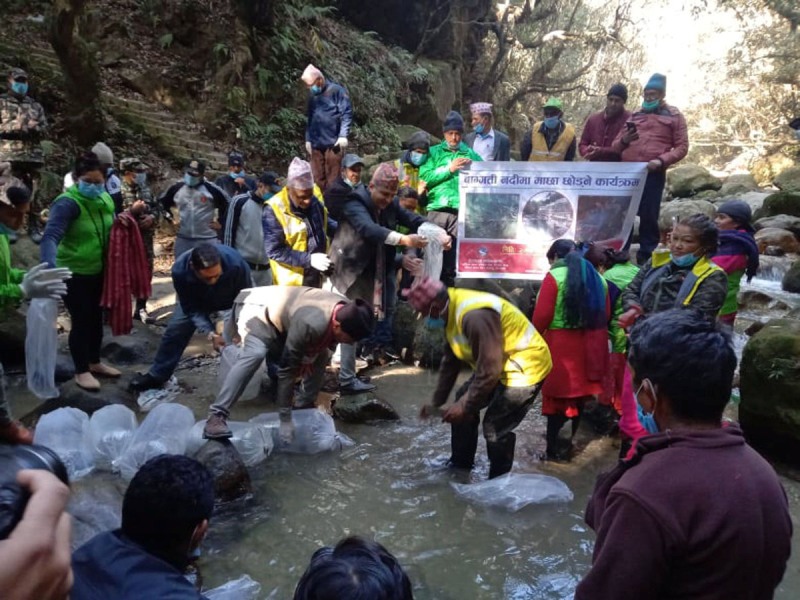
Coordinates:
(90, 190)
(650, 106)
(19, 87)
(267, 195)
(647, 420)
(434, 323)
(236, 174)
(191, 180)
(316, 89)
(551, 122)
(417, 158)
(687, 260)
(479, 128)
(349, 183)
(140, 179)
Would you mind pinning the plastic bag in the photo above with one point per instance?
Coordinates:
(513, 491)
(253, 441)
(149, 399)
(228, 356)
(41, 347)
(111, 430)
(243, 588)
(314, 432)
(66, 432)
(432, 256)
(164, 431)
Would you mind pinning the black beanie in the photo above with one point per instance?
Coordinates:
(738, 210)
(419, 140)
(618, 89)
(356, 318)
(453, 122)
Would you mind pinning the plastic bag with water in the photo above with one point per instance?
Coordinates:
(164, 431)
(66, 432)
(432, 255)
(41, 347)
(253, 441)
(513, 491)
(314, 432)
(228, 356)
(243, 588)
(111, 430)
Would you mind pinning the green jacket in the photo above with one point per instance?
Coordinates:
(83, 247)
(10, 278)
(621, 276)
(442, 184)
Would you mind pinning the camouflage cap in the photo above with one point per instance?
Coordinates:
(195, 167)
(17, 73)
(132, 164)
(12, 191)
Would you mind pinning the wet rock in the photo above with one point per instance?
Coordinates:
(754, 328)
(683, 208)
(788, 180)
(686, 180)
(404, 329)
(772, 236)
(231, 479)
(735, 185)
(788, 222)
(12, 339)
(770, 390)
(65, 368)
(774, 251)
(755, 300)
(137, 347)
(754, 199)
(773, 267)
(780, 203)
(429, 346)
(95, 505)
(111, 392)
(362, 408)
(791, 281)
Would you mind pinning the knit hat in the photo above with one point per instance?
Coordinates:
(311, 74)
(553, 102)
(356, 318)
(657, 82)
(299, 176)
(104, 153)
(738, 210)
(422, 295)
(619, 90)
(453, 122)
(479, 108)
(419, 139)
(385, 176)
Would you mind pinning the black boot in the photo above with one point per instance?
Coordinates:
(464, 442)
(555, 449)
(501, 455)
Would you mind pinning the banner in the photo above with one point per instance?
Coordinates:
(511, 212)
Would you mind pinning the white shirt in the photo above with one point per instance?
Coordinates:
(484, 145)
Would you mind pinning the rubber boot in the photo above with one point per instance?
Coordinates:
(464, 442)
(554, 425)
(501, 455)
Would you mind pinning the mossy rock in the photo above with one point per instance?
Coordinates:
(780, 203)
(770, 390)
(788, 180)
(791, 280)
(429, 345)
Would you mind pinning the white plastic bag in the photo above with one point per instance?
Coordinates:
(41, 347)
(513, 491)
(314, 432)
(432, 255)
(228, 356)
(164, 431)
(66, 432)
(243, 588)
(111, 430)
(253, 441)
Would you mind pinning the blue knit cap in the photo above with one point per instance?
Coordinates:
(453, 122)
(657, 82)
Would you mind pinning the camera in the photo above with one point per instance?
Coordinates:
(14, 498)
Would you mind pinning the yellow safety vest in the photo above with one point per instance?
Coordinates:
(701, 271)
(526, 357)
(540, 152)
(296, 234)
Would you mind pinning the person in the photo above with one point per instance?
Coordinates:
(509, 360)
(296, 326)
(197, 200)
(244, 226)
(489, 143)
(410, 162)
(440, 174)
(16, 284)
(165, 516)
(113, 183)
(138, 200)
(737, 253)
(602, 128)
(363, 252)
(666, 520)
(329, 116)
(297, 230)
(35, 558)
(76, 237)
(550, 139)
(657, 135)
(22, 126)
(572, 311)
(336, 194)
(355, 568)
(236, 181)
(207, 279)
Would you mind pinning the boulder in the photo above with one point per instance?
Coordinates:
(791, 280)
(12, 339)
(710, 195)
(787, 222)
(404, 328)
(231, 479)
(769, 411)
(429, 346)
(24, 253)
(754, 199)
(683, 208)
(766, 168)
(362, 408)
(773, 268)
(137, 347)
(756, 300)
(735, 185)
(788, 180)
(780, 238)
(779, 203)
(686, 180)
(65, 368)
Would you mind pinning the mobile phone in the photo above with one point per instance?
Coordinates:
(630, 125)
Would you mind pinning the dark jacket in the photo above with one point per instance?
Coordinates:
(601, 131)
(502, 145)
(232, 188)
(112, 566)
(336, 195)
(693, 515)
(329, 116)
(361, 235)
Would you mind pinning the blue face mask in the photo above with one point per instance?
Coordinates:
(90, 190)
(316, 89)
(18, 87)
(434, 323)
(236, 174)
(191, 180)
(267, 195)
(687, 260)
(650, 106)
(417, 158)
(647, 420)
(479, 128)
(551, 122)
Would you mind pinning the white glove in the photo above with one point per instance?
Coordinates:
(342, 143)
(41, 282)
(286, 432)
(308, 148)
(320, 262)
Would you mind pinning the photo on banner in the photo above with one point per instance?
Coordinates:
(510, 213)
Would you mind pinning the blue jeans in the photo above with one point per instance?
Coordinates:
(180, 329)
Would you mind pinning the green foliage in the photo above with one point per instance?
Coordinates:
(150, 12)
(221, 51)
(270, 136)
(165, 41)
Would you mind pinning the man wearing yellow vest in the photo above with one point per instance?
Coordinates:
(509, 359)
(550, 139)
(297, 229)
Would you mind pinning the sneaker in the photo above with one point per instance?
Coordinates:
(143, 316)
(87, 381)
(356, 387)
(144, 381)
(15, 432)
(217, 428)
